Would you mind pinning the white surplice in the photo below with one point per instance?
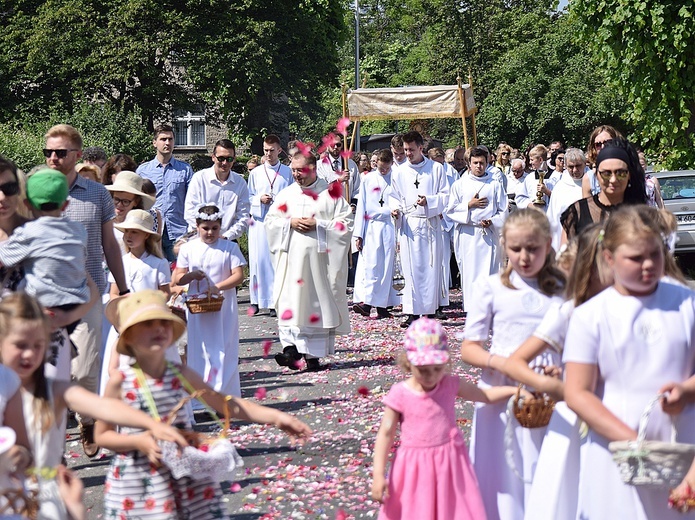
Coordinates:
(375, 226)
(477, 248)
(419, 234)
(565, 193)
(270, 180)
(310, 268)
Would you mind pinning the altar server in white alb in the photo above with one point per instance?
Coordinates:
(567, 191)
(265, 182)
(375, 237)
(478, 207)
(309, 228)
(419, 195)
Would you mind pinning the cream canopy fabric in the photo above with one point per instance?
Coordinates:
(431, 102)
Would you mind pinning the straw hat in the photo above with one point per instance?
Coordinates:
(125, 311)
(131, 182)
(137, 219)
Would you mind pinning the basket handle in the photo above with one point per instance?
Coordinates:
(176, 409)
(644, 420)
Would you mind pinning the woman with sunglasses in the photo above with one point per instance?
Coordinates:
(10, 219)
(597, 140)
(503, 162)
(127, 194)
(621, 180)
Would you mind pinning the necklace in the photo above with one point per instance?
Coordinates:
(276, 172)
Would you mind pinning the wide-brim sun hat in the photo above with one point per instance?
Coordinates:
(129, 310)
(131, 182)
(426, 343)
(137, 219)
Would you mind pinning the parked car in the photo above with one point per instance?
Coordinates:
(678, 192)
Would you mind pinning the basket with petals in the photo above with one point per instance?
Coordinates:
(207, 456)
(200, 303)
(177, 305)
(652, 463)
(533, 412)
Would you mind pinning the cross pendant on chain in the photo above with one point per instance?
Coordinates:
(381, 201)
(417, 182)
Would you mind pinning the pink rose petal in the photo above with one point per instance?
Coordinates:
(346, 154)
(260, 394)
(335, 190)
(340, 515)
(235, 488)
(340, 226)
(266, 347)
(283, 208)
(342, 125)
(286, 315)
(363, 390)
(305, 148)
(249, 312)
(314, 318)
(310, 193)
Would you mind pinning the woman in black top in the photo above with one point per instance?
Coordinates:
(622, 182)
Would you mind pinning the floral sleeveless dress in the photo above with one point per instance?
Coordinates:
(137, 489)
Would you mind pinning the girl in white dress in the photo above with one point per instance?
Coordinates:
(629, 343)
(210, 262)
(511, 304)
(145, 267)
(24, 331)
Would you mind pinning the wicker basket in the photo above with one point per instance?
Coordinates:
(207, 456)
(534, 412)
(175, 304)
(652, 463)
(205, 304)
(19, 501)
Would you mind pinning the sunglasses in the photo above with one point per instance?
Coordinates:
(222, 159)
(123, 202)
(600, 144)
(504, 153)
(10, 188)
(61, 153)
(619, 174)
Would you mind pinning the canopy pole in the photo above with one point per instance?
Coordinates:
(475, 133)
(463, 111)
(346, 164)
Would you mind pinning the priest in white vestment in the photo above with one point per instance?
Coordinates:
(478, 207)
(265, 182)
(309, 228)
(375, 237)
(419, 192)
(567, 191)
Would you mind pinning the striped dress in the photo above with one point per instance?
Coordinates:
(135, 488)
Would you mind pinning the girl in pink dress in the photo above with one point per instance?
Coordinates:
(431, 476)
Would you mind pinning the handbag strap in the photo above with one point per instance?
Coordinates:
(191, 389)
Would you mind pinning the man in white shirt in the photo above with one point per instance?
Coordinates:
(397, 150)
(334, 167)
(224, 188)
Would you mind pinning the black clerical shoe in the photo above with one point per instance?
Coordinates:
(363, 309)
(272, 313)
(288, 357)
(439, 314)
(382, 313)
(313, 365)
(411, 319)
(253, 309)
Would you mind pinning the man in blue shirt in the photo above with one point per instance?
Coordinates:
(171, 178)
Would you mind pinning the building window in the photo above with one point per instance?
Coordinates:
(190, 127)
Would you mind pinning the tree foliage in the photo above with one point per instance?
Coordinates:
(548, 88)
(152, 56)
(647, 49)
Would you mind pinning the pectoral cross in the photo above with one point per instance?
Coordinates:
(381, 201)
(417, 182)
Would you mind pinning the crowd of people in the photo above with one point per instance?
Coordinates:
(563, 258)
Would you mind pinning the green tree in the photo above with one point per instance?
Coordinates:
(647, 49)
(152, 56)
(548, 88)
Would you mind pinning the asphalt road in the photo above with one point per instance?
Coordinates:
(327, 478)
